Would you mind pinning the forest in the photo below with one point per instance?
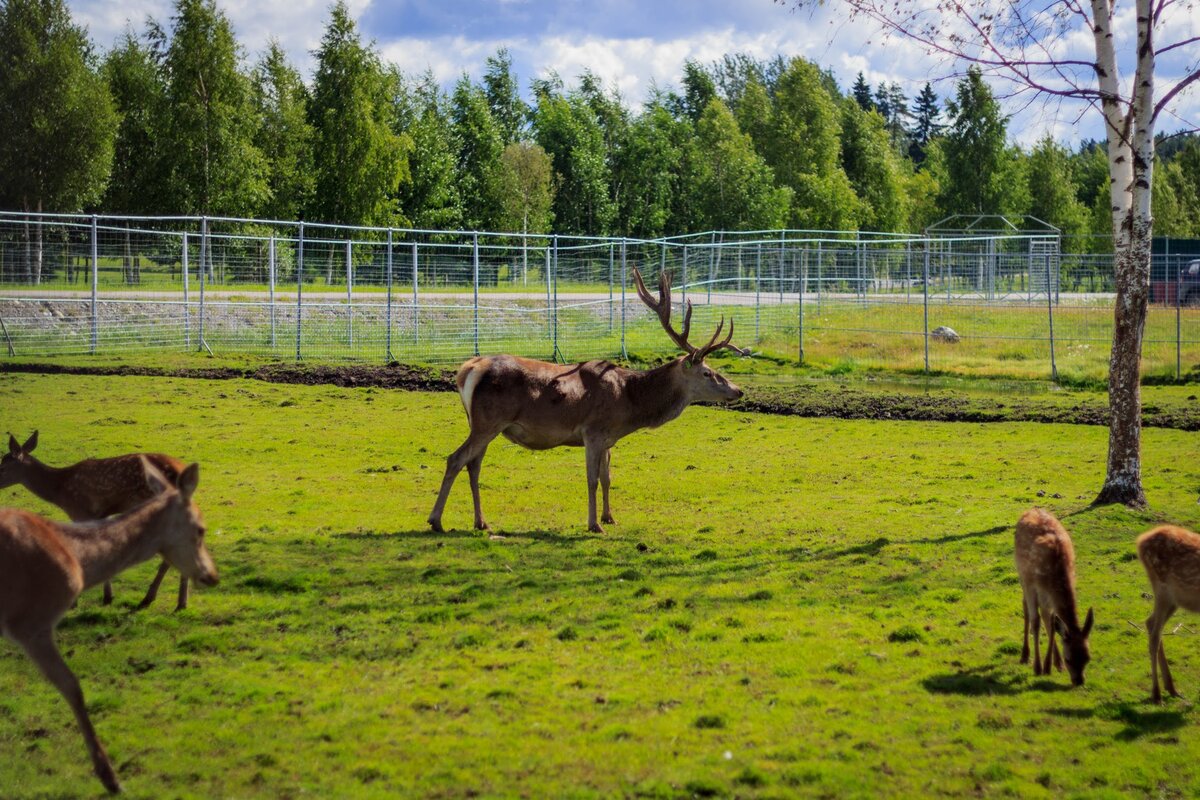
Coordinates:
(177, 118)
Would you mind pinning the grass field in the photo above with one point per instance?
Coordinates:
(787, 607)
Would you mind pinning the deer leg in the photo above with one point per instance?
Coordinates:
(45, 654)
(473, 467)
(605, 482)
(1046, 621)
(595, 460)
(152, 592)
(181, 603)
(108, 594)
(475, 444)
(1025, 629)
(1037, 635)
(1168, 682)
(1158, 655)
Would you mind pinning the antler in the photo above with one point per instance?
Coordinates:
(662, 307)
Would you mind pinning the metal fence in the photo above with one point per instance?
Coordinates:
(1017, 305)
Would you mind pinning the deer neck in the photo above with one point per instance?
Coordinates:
(46, 482)
(106, 548)
(657, 396)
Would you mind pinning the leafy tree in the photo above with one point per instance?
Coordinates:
(284, 135)
(140, 179)
(981, 169)
(654, 169)
(698, 89)
(862, 93)
(527, 185)
(57, 122)
(874, 169)
(1053, 193)
(215, 166)
(480, 146)
(360, 159)
(734, 185)
(569, 131)
(431, 199)
(503, 96)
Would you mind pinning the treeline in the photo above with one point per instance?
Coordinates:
(171, 121)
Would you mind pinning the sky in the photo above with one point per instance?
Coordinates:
(632, 45)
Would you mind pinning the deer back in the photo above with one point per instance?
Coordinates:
(1171, 557)
(39, 575)
(101, 487)
(1045, 558)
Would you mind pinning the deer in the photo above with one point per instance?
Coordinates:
(1045, 560)
(593, 404)
(92, 489)
(44, 565)
(1171, 556)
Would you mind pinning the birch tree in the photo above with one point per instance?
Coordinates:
(1034, 49)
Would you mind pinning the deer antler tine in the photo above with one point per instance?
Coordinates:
(687, 323)
(701, 352)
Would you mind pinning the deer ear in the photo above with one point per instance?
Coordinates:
(30, 443)
(13, 447)
(1087, 623)
(1059, 625)
(189, 479)
(155, 480)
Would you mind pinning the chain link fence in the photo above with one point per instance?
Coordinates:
(1014, 304)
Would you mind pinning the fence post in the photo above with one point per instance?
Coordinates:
(475, 284)
(387, 347)
(299, 286)
(95, 284)
(800, 302)
(271, 285)
(683, 281)
(1050, 316)
(757, 290)
(611, 281)
(203, 276)
(187, 310)
(549, 310)
(554, 305)
(416, 320)
(820, 258)
(1178, 324)
(782, 245)
(349, 296)
(624, 352)
(712, 271)
(925, 292)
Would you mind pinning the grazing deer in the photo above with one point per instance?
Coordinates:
(540, 405)
(44, 565)
(1171, 556)
(1046, 564)
(92, 489)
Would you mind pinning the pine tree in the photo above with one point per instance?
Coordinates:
(862, 93)
(926, 123)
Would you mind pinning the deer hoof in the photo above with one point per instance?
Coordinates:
(608, 520)
(482, 526)
(436, 526)
(108, 777)
(595, 528)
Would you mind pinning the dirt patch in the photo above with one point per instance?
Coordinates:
(801, 401)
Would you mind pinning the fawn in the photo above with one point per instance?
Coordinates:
(1171, 556)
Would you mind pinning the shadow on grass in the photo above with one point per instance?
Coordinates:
(959, 537)
(1138, 722)
(426, 535)
(983, 681)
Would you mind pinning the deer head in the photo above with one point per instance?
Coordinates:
(13, 462)
(184, 546)
(1075, 650)
(702, 382)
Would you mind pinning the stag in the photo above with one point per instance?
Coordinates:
(92, 489)
(1171, 556)
(44, 565)
(593, 404)
(1046, 566)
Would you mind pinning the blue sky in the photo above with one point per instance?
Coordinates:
(632, 45)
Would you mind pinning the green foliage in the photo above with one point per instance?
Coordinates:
(983, 174)
(57, 120)
(284, 135)
(360, 160)
(874, 169)
(926, 124)
(1054, 194)
(652, 172)
(527, 189)
(568, 129)
(215, 166)
(480, 147)
(734, 188)
(504, 96)
(140, 179)
(431, 198)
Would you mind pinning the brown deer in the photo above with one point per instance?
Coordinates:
(92, 489)
(44, 565)
(593, 404)
(1046, 565)
(1171, 556)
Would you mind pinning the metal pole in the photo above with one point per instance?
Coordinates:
(712, 254)
(925, 292)
(624, 352)
(549, 310)
(349, 296)
(203, 276)
(95, 284)
(271, 285)
(781, 249)
(611, 281)
(187, 313)
(800, 303)
(475, 284)
(416, 321)
(554, 305)
(757, 290)
(819, 259)
(1178, 324)
(683, 282)
(299, 286)
(1050, 313)
(387, 347)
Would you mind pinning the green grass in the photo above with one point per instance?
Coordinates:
(787, 607)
